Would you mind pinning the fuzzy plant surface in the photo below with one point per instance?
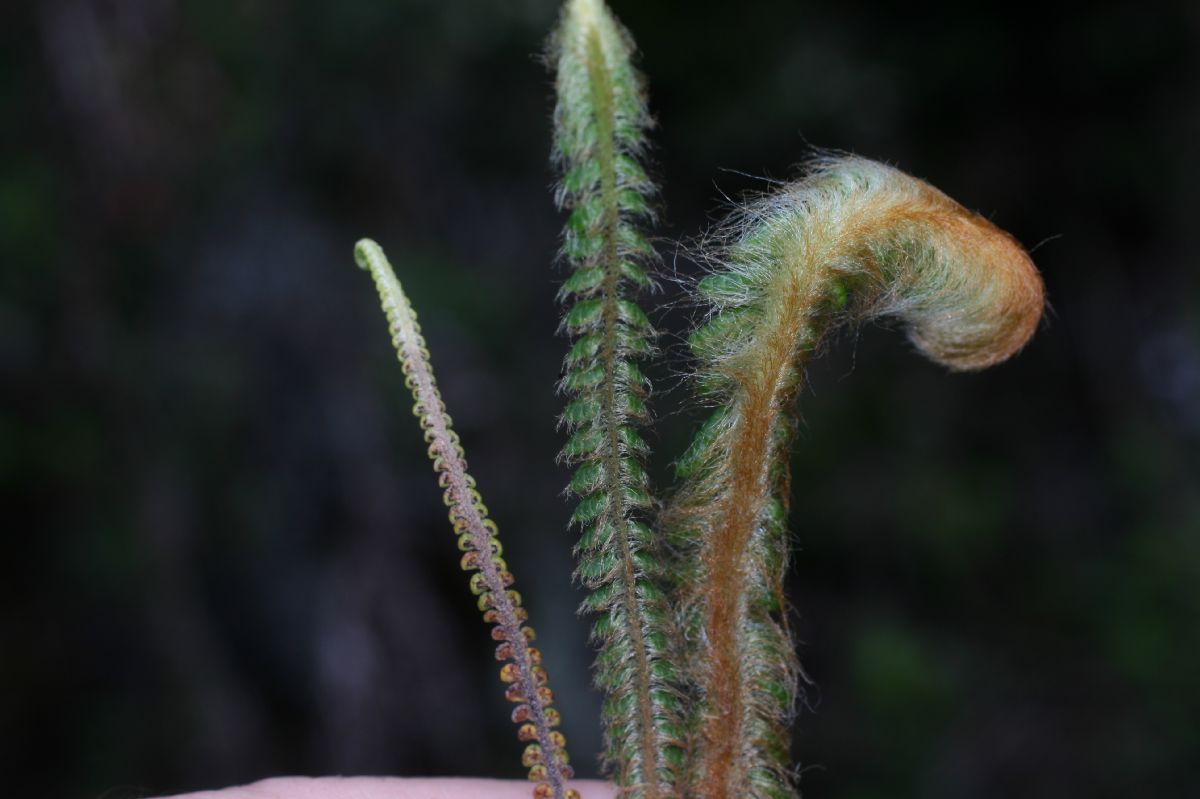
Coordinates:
(693, 655)
(600, 125)
(851, 241)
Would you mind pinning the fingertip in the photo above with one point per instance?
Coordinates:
(392, 788)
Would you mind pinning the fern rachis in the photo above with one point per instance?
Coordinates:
(545, 755)
(600, 124)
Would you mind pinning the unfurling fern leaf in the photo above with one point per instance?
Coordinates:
(853, 240)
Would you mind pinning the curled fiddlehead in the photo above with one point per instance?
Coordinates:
(853, 240)
(478, 538)
(600, 133)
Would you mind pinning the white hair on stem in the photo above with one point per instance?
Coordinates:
(853, 240)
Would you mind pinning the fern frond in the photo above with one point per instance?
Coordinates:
(599, 136)
(853, 240)
(545, 755)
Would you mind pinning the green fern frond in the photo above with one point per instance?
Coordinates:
(600, 135)
(853, 240)
(545, 755)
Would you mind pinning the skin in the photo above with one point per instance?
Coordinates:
(391, 788)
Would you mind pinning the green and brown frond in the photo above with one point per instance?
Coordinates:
(851, 241)
(545, 754)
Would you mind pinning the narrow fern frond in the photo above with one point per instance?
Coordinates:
(478, 538)
(599, 137)
(853, 240)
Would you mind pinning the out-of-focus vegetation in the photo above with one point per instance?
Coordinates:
(217, 511)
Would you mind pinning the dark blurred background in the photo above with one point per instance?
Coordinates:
(225, 556)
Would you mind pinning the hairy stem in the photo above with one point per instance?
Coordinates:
(853, 240)
(602, 100)
(600, 123)
(545, 755)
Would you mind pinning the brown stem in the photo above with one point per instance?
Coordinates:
(764, 394)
